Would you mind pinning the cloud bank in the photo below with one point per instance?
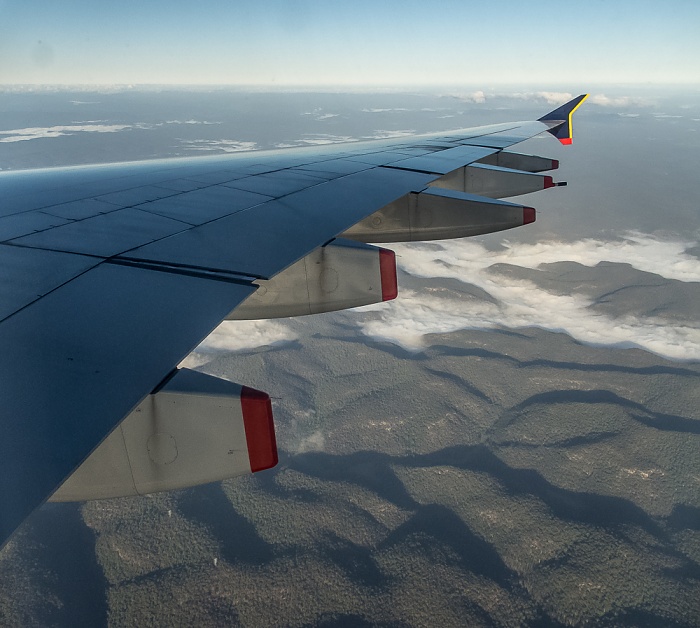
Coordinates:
(319, 115)
(383, 134)
(460, 259)
(225, 146)
(321, 139)
(90, 126)
(383, 109)
(35, 133)
(552, 98)
(245, 335)
(520, 303)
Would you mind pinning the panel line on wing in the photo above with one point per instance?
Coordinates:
(217, 274)
(390, 167)
(22, 294)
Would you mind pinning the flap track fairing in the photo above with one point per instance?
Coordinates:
(193, 430)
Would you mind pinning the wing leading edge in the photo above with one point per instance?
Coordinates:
(113, 274)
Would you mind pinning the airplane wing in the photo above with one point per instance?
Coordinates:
(112, 274)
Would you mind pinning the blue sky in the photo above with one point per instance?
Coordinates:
(381, 43)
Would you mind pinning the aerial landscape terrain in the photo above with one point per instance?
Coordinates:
(513, 441)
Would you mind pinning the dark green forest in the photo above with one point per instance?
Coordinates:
(497, 478)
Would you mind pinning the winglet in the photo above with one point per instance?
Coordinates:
(560, 119)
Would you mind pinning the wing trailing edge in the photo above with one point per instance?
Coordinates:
(560, 119)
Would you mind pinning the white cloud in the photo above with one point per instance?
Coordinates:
(315, 441)
(226, 146)
(619, 101)
(381, 134)
(205, 122)
(552, 98)
(480, 97)
(559, 98)
(520, 303)
(460, 258)
(476, 97)
(35, 133)
(384, 109)
(90, 126)
(195, 360)
(319, 115)
(320, 139)
(245, 335)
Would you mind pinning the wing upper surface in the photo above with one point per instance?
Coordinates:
(76, 361)
(112, 274)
